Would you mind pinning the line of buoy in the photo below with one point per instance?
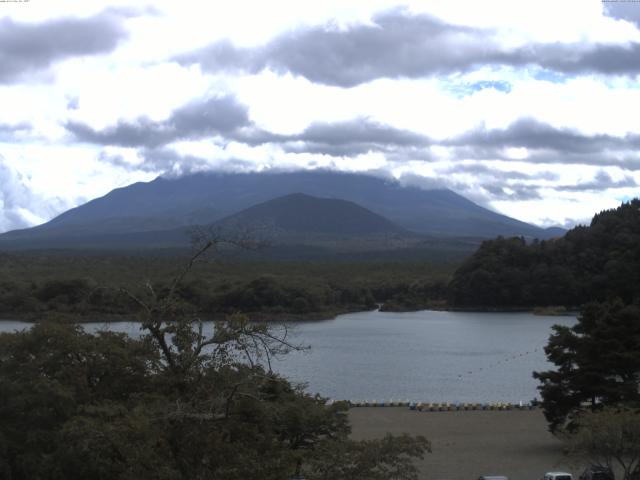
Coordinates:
(501, 362)
(444, 407)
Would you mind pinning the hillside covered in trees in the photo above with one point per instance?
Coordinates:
(594, 262)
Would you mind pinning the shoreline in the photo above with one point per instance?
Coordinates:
(115, 318)
(281, 317)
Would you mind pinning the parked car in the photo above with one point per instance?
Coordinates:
(597, 472)
(492, 477)
(557, 476)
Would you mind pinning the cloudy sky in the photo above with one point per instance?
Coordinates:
(526, 107)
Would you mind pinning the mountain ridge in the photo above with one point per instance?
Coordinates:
(205, 198)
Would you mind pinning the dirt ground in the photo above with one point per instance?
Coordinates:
(467, 444)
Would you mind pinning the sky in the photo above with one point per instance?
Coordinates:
(529, 108)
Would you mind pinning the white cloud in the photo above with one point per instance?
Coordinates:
(46, 170)
(108, 93)
(20, 204)
(39, 181)
(557, 209)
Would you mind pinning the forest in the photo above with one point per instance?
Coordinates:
(71, 287)
(594, 262)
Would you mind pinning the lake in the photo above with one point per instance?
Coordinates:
(419, 356)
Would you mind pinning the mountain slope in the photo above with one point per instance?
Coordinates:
(294, 226)
(171, 203)
(301, 213)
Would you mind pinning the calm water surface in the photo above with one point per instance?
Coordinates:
(420, 356)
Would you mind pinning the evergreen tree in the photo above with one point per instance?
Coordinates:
(597, 360)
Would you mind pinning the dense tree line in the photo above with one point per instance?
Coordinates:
(55, 287)
(105, 406)
(594, 262)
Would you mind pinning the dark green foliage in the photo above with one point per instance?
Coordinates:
(38, 287)
(420, 294)
(50, 376)
(176, 404)
(77, 406)
(597, 360)
(589, 263)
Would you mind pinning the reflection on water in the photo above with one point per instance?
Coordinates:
(421, 356)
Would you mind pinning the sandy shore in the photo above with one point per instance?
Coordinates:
(467, 444)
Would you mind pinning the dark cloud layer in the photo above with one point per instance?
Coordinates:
(533, 134)
(500, 184)
(352, 138)
(26, 48)
(228, 119)
(479, 169)
(397, 45)
(492, 187)
(547, 145)
(172, 163)
(225, 120)
(214, 116)
(629, 11)
(601, 181)
(404, 45)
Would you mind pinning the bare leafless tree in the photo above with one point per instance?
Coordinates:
(180, 336)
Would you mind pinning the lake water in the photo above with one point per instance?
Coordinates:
(419, 356)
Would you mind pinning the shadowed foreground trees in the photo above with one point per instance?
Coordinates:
(175, 404)
(597, 360)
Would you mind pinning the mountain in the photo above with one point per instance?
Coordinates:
(294, 226)
(300, 225)
(170, 204)
(300, 213)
